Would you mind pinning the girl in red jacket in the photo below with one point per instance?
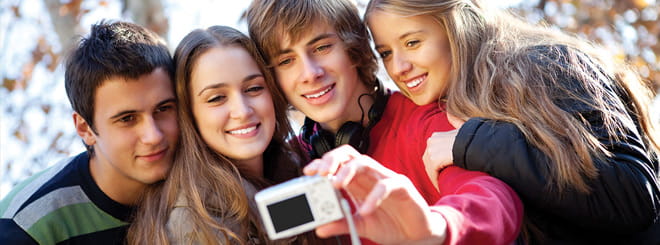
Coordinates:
(545, 112)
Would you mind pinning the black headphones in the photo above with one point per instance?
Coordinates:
(352, 133)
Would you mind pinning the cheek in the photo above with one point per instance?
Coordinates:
(170, 128)
(264, 105)
(284, 80)
(388, 68)
(209, 120)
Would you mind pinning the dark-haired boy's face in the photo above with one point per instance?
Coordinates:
(136, 130)
(318, 77)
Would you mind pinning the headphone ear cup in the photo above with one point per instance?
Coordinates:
(322, 142)
(352, 133)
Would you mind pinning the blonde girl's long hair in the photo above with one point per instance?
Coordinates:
(506, 69)
(209, 181)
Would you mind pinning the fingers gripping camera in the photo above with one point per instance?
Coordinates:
(298, 205)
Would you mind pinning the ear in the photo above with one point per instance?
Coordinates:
(83, 129)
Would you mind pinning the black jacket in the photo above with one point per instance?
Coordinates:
(624, 200)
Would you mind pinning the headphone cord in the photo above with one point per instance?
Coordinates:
(362, 108)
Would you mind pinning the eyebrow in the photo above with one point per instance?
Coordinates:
(221, 85)
(122, 113)
(404, 35)
(314, 40)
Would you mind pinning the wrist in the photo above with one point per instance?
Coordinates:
(438, 230)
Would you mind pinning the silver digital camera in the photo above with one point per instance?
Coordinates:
(298, 205)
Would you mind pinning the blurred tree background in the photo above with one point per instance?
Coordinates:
(35, 117)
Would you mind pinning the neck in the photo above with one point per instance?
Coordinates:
(253, 166)
(115, 185)
(357, 111)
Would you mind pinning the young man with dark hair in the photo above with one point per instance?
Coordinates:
(119, 83)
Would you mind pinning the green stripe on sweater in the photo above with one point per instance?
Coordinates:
(71, 221)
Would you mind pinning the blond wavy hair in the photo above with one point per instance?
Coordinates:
(506, 69)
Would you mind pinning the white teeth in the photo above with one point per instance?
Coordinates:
(319, 94)
(243, 131)
(415, 83)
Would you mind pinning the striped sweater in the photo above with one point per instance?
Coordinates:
(62, 205)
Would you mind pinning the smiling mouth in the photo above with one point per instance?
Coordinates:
(416, 82)
(319, 94)
(244, 130)
(155, 156)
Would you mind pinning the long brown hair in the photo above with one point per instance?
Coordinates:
(209, 181)
(506, 69)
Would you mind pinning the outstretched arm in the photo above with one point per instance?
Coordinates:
(474, 209)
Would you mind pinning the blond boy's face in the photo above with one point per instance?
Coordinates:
(318, 77)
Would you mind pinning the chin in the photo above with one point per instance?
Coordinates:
(420, 101)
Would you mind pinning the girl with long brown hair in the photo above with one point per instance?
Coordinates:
(234, 135)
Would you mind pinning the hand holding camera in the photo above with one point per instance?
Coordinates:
(298, 205)
(389, 207)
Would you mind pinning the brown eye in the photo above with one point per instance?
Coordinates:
(384, 54)
(254, 89)
(217, 98)
(412, 43)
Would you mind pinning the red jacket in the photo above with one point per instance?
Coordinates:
(478, 208)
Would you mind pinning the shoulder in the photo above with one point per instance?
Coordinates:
(12, 233)
(179, 223)
(52, 205)
(401, 110)
(181, 228)
(36, 187)
(180, 215)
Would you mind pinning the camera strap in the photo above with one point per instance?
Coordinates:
(346, 208)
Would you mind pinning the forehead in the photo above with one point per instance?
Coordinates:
(383, 23)
(229, 64)
(289, 38)
(117, 93)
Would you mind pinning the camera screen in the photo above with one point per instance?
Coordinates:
(290, 213)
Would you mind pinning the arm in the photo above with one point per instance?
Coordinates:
(474, 209)
(500, 149)
(481, 208)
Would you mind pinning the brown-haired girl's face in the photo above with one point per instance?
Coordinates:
(415, 51)
(232, 106)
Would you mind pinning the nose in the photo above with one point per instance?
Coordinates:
(312, 70)
(400, 65)
(240, 108)
(152, 134)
